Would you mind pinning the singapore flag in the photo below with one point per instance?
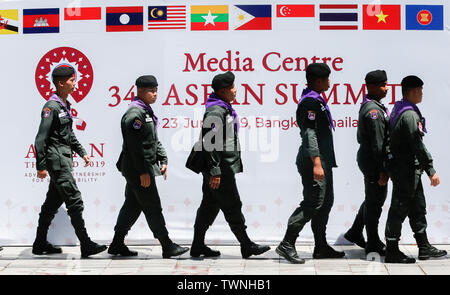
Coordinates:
(296, 17)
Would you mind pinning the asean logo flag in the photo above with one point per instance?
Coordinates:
(252, 17)
(381, 17)
(44, 20)
(425, 17)
(125, 19)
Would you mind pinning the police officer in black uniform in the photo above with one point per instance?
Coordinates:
(372, 158)
(222, 156)
(142, 159)
(315, 160)
(55, 144)
(410, 159)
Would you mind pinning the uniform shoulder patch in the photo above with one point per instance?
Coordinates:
(311, 115)
(420, 126)
(47, 112)
(137, 124)
(373, 114)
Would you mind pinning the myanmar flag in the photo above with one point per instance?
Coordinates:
(209, 18)
(381, 17)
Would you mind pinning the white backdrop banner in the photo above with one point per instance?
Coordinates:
(267, 44)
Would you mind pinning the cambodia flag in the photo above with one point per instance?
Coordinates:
(37, 21)
(124, 19)
(252, 17)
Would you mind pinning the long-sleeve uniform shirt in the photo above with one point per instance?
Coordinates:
(56, 141)
(142, 152)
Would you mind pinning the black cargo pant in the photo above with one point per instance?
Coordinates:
(370, 211)
(318, 198)
(225, 198)
(139, 199)
(408, 199)
(62, 189)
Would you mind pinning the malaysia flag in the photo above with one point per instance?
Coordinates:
(125, 19)
(252, 17)
(44, 20)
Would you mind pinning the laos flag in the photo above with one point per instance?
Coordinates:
(124, 19)
(252, 17)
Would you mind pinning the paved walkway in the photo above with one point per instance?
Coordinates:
(20, 261)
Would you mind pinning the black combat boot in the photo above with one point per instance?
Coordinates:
(326, 251)
(322, 250)
(170, 249)
(248, 248)
(199, 248)
(118, 246)
(426, 250)
(355, 237)
(41, 246)
(1, 248)
(377, 246)
(87, 246)
(394, 255)
(286, 248)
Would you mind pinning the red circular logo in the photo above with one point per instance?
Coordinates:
(64, 56)
(424, 17)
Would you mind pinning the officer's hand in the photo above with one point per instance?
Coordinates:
(214, 182)
(319, 174)
(384, 178)
(435, 180)
(145, 180)
(87, 160)
(42, 174)
(164, 170)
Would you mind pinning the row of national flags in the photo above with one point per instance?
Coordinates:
(236, 17)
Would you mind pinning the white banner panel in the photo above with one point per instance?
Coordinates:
(267, 50)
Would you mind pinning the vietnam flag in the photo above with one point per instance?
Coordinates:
(381, 17)
(209, 18)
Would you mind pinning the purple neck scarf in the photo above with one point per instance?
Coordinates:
(367, 99)
(402, 106)
(65, 106)
(214, 100)
(313, 94)
(139, 103)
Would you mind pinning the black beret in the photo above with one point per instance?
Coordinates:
(412, 82)
(318, 70)
(63, 71)
(146, 81)
(222, 81)
(376, 77)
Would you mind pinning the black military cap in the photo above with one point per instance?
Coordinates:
(412, 82)
(63, 71)
(319, 70)
(222, 81)
(146, 81)
(376, 77)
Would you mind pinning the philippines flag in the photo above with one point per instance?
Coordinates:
(252, 17)
(44, 20)
(425, 17)
(338, 16)
(125, 19)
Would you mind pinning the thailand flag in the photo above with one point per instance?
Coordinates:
(125, 19)
(252, 17)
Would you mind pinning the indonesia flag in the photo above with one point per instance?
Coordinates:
(252, 17)
(82, 13)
